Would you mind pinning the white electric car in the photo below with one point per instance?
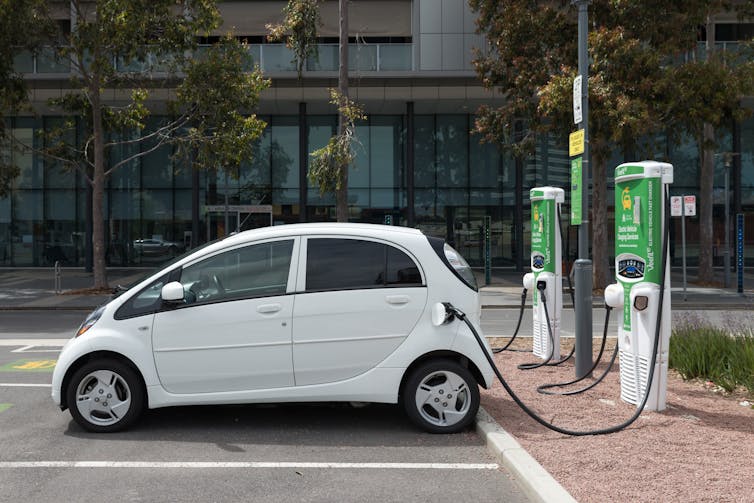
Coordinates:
(293, 313)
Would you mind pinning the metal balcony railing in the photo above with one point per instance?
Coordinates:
(271, 58)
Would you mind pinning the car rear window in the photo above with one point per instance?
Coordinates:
(454, 261)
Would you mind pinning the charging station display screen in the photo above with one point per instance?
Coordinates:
(631, 268)
(537, 261)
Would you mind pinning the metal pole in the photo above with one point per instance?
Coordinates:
(683, 244)
(58, 278)
(726, 257)
(583, 266)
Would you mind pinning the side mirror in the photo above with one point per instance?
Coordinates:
(440, 314)
(172, 292)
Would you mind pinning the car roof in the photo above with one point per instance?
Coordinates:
(321, 228)
(307, 229)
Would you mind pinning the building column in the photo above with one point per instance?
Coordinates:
(88, 229)
(736, 178)
(518, 211)
(410, 215)
(303, 151)
(195, 203)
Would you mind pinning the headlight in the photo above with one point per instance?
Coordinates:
(90, 321)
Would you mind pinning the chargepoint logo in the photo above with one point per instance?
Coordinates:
(626, 198)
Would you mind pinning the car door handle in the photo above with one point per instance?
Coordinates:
(269, 308)
(397, 299)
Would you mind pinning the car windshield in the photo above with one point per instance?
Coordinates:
(120, 289)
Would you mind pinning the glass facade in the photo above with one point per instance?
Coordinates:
(455, 180)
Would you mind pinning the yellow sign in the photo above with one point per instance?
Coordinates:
(576, 143)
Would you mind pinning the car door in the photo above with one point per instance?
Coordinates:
(233, 332)
(360, 300)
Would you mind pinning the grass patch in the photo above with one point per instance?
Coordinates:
(723, 356)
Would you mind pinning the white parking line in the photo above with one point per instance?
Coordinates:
(23, 385)
(28, 349)
(251, 464)
(34, 342)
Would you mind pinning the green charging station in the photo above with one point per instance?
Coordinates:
(547, 268)
(640, 208)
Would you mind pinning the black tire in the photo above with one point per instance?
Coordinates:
(96, 382)
(441, 396)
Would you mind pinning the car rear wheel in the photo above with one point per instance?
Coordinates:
(105, 396)
(441, 396)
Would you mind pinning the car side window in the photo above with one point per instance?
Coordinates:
(147, 301)
(401, 269)
(257, 270)
(347, 264)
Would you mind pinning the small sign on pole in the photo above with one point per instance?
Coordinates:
(676, 206)
(576, 192)
(689, 206)
(578, 116)
(683, 206)
(576, 143)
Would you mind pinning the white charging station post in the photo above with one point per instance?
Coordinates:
(639, 232)
(546, 266)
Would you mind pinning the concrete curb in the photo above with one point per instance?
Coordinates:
(533, 479)
(690, 306)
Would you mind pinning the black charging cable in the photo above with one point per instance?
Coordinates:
(518, 325)
(570, 291)
(545, 387)
(462, 316)
(541, 286)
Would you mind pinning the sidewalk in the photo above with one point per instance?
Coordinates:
(34, 289)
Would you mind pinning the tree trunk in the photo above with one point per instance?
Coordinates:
(706, 179)
(98, 192)
(341, 193)
(600, 248)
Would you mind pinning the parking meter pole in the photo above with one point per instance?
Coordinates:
(583, 266)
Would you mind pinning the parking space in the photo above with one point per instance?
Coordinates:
(294, 452)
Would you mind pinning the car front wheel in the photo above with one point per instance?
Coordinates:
(105, 396)
(441, 396)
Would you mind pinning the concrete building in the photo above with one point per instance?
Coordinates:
(417, 163)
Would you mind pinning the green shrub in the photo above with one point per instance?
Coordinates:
(723, 356)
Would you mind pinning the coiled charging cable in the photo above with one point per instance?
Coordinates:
(603, 431)
(518, 325)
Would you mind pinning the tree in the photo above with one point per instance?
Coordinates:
(707, 95)
(216, 91)
(119, 44)
(329, 161)
(301, 21)
(532, 61)
(24, 26)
